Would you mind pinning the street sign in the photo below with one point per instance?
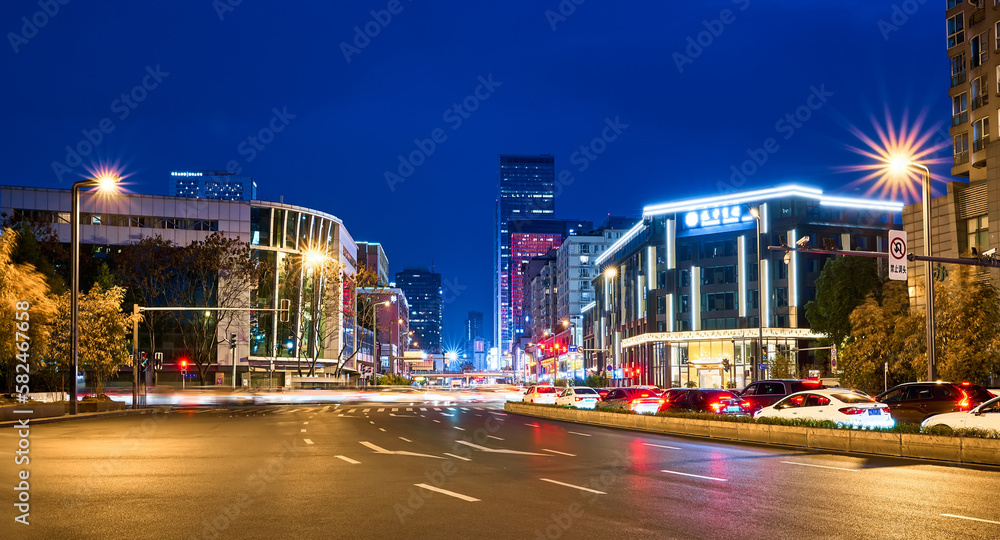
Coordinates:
(897, 255)
(572, 348)
(833, 358)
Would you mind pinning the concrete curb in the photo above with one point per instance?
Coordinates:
(966, 450)
(83, 416)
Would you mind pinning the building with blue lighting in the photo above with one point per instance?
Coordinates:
(217, 185)
(691, 292)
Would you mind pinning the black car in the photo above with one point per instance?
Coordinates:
(709, 400)
(912, 403)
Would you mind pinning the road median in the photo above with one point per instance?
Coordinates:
(967, 450)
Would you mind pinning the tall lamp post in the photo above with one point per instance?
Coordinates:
(761, 297)
(903, 165)
(104, 183)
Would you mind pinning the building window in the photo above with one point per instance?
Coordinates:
(780, 297)
(958, 69)
(956, 30)
(980, 92)
(997, 28)
(978, 233)
(960, 108)
(980, 134)
(979, 50)
(961, 149)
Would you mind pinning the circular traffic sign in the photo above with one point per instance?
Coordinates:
(897, 248)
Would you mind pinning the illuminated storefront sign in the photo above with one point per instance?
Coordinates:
(716, 216)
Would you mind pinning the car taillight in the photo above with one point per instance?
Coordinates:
(662, 401)
(715, 406)
(965, 403)
(852, 410)
(636, 401)
(578, 398)
(745, 405)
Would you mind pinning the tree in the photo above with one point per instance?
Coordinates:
(967, 336)
(104, 334)
(882, 332)
(782, 367)
(597, 380)
(21, 286)
(145, 270)
(842, 286)
(217, 272)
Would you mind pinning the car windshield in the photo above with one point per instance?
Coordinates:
(853, 398)
(584, 391)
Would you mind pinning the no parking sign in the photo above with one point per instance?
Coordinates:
(897, 255)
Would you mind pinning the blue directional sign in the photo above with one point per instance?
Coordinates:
(572, 348)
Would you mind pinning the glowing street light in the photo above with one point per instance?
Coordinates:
(106, 181)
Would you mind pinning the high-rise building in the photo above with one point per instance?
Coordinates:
(372, 256)
(525, 190)
(474, 325)
(422, 288)
(528, 239)
(220, 185)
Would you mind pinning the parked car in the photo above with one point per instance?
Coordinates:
(912, 403)
(654, 389)
(839, 405)
(540, 394)
(760, 394)
(984, 416)
(632, 399)
(710, 400)
(581, 397)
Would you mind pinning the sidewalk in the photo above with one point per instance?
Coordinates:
(81, 416)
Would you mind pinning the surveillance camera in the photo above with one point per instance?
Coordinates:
(802, 242)
(990, 252)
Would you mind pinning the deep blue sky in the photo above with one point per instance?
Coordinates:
(557, 88)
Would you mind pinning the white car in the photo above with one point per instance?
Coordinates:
(581, 397)
(834, 404)
(985, 416)
(540, 394)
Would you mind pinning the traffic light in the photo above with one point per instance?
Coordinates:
(232, 340)
(763, 353)
(184, 364)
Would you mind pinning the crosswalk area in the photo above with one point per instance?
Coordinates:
(350, 409)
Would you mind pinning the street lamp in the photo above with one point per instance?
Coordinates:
(761, 298)
(902, 166)
(105, 183)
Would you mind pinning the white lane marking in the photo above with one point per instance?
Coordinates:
(371, 422)
(446, 414)
(438, 421)
(405, 439)
(457, 457)
(452, 408)
(449, 493)
(820, 466)
(437, 408)
(533, 425)
(971, 518)
(347, 459)
(341, 414)
(350, 411)
(497, 438)
(305, 423)
(402, 415)
(409, 409)
(459, 428)
(661, 446)
(423, 408)
(581, 488)
(498, 450)
(580, 434)
(381, 429)
(558, 452)
(464, 408)
(381, 409)
(366, 410)
(380, 450)
(694, 475)
(326, 408)
(498, 413)
(308, 441)
(395, 409)
(302, 431)
(422, 416)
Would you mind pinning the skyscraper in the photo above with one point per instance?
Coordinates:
(220, 185)
(372, 256)
(423, 293)
(474, 325)
(525, 190)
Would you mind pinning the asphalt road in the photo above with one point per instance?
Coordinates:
(376, 470)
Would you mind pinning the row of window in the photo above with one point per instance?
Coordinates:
(119, 220)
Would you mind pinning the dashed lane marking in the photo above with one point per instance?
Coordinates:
(347, 459)
(449, 493)
(405, 439)
(820, 466)
(308, 441)
(661, 446)
(695, 475)
(578, 433)
(558, 452)
(457, 457)
(581, 488)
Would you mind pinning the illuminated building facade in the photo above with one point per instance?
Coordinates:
(217, 185)
(422, 288)
(678, 297)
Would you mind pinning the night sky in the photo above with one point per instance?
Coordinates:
(528, 77)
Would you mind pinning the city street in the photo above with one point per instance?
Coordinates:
(430, 470)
